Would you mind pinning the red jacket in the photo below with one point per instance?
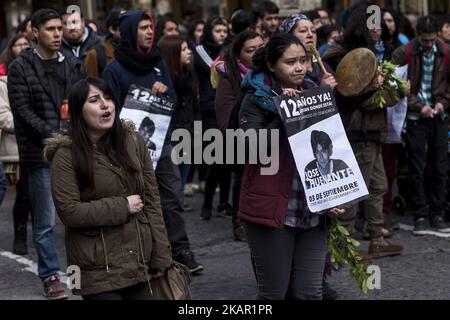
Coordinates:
(264, 199)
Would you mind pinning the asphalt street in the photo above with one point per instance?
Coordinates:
(419, 273)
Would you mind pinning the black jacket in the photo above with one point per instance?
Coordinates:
(90, 43)
(35, 110)
(186, 110)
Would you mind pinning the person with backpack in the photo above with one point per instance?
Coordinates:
(427, 122)
(102, 54)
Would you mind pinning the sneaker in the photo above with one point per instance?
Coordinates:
(206, 213)
(421, 227)
(186, 257)
(202, 186)
(239, 231)
(438, 224)
(188, 190)
(20, 247)
(54, 289)
(384, 249)
(187, 208)
(328, 293)
(386, 233)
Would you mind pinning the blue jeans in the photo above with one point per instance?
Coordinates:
(184, 172)
(43, 221)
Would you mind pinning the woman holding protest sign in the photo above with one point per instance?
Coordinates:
(288, 243)
(106, 194)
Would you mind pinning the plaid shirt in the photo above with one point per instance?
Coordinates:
(425, 92)
(298, 214)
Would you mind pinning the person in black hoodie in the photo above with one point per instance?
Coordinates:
(39, 81)
(78, 39)
(212, 43)
(137, 61)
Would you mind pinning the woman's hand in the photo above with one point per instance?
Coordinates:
(336, 212)
(159, 88)
(157, 273)
(329, 80)
(135, 204)
(290, 92)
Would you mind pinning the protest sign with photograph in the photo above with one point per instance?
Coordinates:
(324, 158)
(151, 115)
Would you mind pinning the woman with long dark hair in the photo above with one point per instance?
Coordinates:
(212, 44)
(9, 152)
(106, 195)
(288, 243)
(195, 33)
(237, 62)
(178, 59)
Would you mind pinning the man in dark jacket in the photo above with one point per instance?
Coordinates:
(427, 123)
(78, 39)
(138, 62)
(38, 83)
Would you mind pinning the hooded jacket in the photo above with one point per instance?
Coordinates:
(133, 67)
(112, 249)
(35, 110)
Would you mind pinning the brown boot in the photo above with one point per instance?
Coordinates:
(379, 247)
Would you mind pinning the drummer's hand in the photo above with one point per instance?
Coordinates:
(328, 80)
(379, 80)
(159, 88)
(427, 112)
(290, 92)
(336, 212)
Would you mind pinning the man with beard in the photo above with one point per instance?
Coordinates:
(78, 39)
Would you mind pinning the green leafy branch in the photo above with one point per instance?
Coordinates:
(343, 251)
(392, 85)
